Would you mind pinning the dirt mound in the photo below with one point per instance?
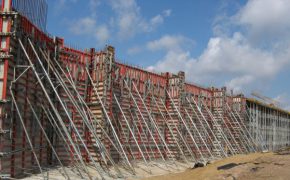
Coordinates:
(258, 166)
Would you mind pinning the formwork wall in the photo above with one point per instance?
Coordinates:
(143, 110)
(266, 123)
(16, 155)
(74, 64)
(36, 11)
(143, 86)
(272, 124)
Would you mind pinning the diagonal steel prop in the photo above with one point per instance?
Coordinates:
(230, 132)
(193, 124)
(109, 120)
(170, 130)
(60, 135)
(187, 128)
(153, 121)
(47, 139)
(243, 133)
(216, 124)
(179, 133)
(207, 124)
(26, 133)
(80, 111)
(246, 129)
(96, 165)
(53, 108)
(260, 138)
(146, 125)
(143, 141)
(128, 125)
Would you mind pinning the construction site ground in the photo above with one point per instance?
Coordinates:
(257, 166)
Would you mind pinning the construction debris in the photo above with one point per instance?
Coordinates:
(81, 114)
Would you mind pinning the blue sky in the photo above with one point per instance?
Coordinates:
(243, 45)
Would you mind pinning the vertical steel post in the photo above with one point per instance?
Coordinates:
(48, 141)
(205, 123)
(142, 117)
(53, 107)
(128, 125)
(152, 120)
(187, 128)
(109, 120)
(26, 133)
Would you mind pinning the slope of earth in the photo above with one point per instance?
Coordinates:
(257, 166)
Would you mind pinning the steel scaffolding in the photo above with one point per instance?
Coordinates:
(90, 116)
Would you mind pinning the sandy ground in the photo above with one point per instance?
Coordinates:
(142, 170)
(258, 166)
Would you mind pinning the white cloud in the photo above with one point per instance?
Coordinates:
(61, 5)
(102, 33)
(265, 19)
(238, 83)
(88, 26)
(130, 21)
(174, 61)
(134, 50)
(229, 59)
(235, 55)
(167, 12)
(283, 101)
(265, 14)
(125, 20)
(159, 19)
(83, 26)
(170, 42)
(94, 3)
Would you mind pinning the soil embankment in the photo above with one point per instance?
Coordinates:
(257, 166)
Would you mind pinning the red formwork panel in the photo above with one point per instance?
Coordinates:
(142, 76)
(239, 103)
(97, 66)
(98, 74)
(173, 82)
(76, 62)
(229, 100)
(5, 25)
(29, 28)
(148, 85)
(198, 91)
(19, 157)
(26, 88)
(218, 98)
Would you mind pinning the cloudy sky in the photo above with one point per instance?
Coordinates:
(244, 45)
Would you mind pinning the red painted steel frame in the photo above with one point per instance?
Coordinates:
(5, 3)
(78, 61)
